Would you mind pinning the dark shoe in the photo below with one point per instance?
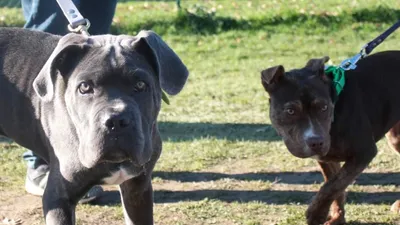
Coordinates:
(92, 194)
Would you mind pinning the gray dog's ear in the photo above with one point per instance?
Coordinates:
(67, 50)
(317, 64)
(169, 67)
(271, 76)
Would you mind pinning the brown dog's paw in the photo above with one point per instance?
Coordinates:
(395, 207)
(336, 218)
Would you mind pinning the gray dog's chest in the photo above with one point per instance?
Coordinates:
(118, 177)
(118, 173)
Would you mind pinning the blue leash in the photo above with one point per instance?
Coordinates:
(350, 64)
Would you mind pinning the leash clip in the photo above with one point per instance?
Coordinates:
(77, 23)
(351, 63)
(83, 28)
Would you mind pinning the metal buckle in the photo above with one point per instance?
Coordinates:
(350, 63)
(83, 29)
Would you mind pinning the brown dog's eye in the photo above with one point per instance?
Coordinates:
(85, 88)
(140, 86)
(324, 108)
(290, 111)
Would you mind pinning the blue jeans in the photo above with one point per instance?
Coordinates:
(46, 15)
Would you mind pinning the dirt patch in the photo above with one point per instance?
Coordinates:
(21, 207)
(227, 183)
(26, 209)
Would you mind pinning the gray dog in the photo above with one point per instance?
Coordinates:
(88, 106)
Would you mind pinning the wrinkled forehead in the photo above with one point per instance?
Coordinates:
(111, 57)
(123, 41)
(303, 86)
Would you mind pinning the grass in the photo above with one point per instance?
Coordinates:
(222, 162)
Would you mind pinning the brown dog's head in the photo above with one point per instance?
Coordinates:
(301, 108)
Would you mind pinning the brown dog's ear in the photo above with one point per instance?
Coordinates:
(67, 50)
(271, 76)
(317, 64)
(170, 69)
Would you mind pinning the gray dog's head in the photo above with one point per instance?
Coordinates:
(110, 87)
(301, 107)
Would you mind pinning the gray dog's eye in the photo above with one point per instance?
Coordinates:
(85, 88)
(324, 108)
(140, 86)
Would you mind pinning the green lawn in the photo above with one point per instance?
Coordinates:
(222, 162)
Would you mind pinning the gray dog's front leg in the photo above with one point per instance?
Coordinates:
(57, 207)
(58, 212)
(61, 196)
(137, 200)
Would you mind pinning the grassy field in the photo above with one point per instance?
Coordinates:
(222, 162)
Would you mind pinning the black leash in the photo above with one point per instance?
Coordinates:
(372, 44)
(337, 73)
(350, 63)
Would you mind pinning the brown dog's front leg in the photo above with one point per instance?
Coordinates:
(393, 137)
(318, 210)
(329, 170)
(137, 200)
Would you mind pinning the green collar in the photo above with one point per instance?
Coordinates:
(336, 73)
(164, 97)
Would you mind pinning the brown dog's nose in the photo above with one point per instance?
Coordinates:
(315, 143)
(117, 123)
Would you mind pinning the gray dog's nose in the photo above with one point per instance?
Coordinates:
(315, 143)
(117, 123)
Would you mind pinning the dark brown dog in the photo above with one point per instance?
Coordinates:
(303, 112)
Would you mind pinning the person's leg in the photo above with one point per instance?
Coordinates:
(44, 15)
(32, 160)
(36, 175)
(99, 13)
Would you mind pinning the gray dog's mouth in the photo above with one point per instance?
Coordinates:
(115, 157)
(116, 161)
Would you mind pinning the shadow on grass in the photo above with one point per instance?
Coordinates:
(264, 196)
(367, 223)
(176, 131)
(4, 140)
(203, 22)
(279, 177)
(10, 4)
